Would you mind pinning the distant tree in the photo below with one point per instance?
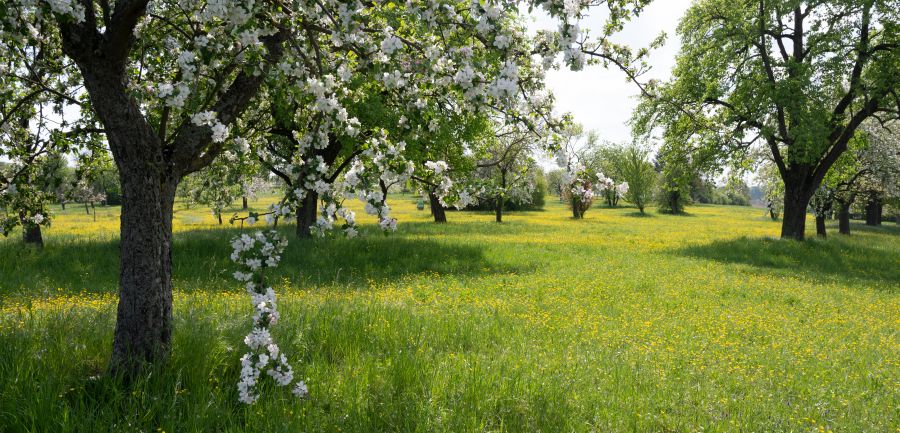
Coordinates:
(675, 176)
(736, 192)
(554, 182)
(821, 204)
(773, 190)
(87, 193)
(505, 166)
(638, 173)
(217, 186)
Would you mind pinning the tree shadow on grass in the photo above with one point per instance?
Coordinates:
(637, 214)
(201, 262)
(832, 259)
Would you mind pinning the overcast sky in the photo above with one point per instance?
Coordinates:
(601, 99)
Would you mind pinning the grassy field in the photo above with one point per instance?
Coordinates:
(616, 323)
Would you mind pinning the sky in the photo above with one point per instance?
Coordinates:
(601, 99)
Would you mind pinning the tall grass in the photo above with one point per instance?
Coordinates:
(542, 323)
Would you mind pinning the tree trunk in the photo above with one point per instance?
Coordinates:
(306, 214)
(440, 215)
(873, 212)
(94, 210)
(219, 217)
(87, 210)
(244, 202)
(63, 204)
(820, 226)
(498, 209)
(844, 218)
(31, 233)
(576, 213)
(144, 318)
(793, 221)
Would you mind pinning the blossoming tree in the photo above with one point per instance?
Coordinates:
(168, 80)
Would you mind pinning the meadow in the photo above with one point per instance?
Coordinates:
(615, 323)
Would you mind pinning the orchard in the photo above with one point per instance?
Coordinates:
(435, 223)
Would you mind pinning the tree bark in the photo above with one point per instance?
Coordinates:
(440, 215)
(820, 226)
(144, 319)
(793, 221)
(63, 204)
(873, 212)
(306, 214)
(244, 202)
(31, 233)
(498, 209)
(844, 218)
(87, 210)
(219, 217)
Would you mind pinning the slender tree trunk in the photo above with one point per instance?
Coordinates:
(498, 208)
(63, 204)
(440, 215)
(576, 213)
(820, 226)
(94, 211)
(87, 210)
(244, 202)
(306, 214)
(219, 217)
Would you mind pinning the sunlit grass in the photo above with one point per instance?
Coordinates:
(543, 323)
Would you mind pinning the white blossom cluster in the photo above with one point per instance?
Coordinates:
(449, 193)
(254, 254)
(607, 185)
(208, 118)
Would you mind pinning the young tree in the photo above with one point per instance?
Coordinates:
(87, 193)
(218, 185)
(506, 163)
(799, 77)
(638, 174)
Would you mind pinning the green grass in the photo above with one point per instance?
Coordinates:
(614, 323)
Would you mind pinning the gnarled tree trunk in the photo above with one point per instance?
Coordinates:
(144, 318)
